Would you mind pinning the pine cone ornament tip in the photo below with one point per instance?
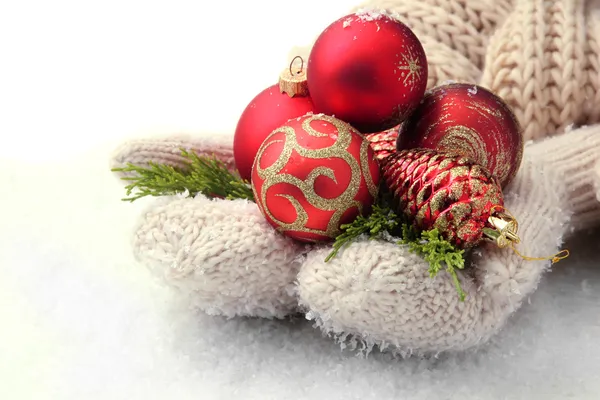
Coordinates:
(504, 233)
(437, 190)
(453, 194)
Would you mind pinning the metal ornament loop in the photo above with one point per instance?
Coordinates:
(301, 65)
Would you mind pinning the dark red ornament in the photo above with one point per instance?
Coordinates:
(270, 109)
(470, 121)
(314, 174)
(368, 69)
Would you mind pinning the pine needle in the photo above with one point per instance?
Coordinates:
(379, 221)
(210, 177)
(206, 175)
(430, 245)
(437, 252)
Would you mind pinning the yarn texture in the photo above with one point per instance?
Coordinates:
(384, 293)
(542, 57)
(222, 253)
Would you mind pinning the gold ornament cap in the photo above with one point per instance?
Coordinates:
(504, 232)
(293, 80)
(505, 229)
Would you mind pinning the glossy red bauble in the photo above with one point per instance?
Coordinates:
(266, 112)
(312, 175)
(467, 120)
(368, 69)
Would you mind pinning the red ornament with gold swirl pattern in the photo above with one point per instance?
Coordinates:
(314, 174)
(448, 192)
(467, 120)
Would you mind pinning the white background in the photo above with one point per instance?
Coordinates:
(79, 319)
(76, 73)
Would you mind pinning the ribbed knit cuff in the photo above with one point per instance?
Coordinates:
(574, 156)
(592, 66)
(168, 151)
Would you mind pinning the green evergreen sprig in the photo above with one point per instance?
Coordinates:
(206, 175)
(381, 220)
(210, 177)
(438, 252)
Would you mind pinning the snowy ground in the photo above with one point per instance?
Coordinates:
(80, 319)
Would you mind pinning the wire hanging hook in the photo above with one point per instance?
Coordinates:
(301, 65)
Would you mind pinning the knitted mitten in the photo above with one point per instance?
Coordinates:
(541, 56)
(221, 253)
(231, 262)
(382, 294)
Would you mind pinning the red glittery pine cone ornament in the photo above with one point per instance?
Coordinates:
(368, 69)
(383, 143)
(467, 120)
(444, 191)
(314, 174)
(270, 109)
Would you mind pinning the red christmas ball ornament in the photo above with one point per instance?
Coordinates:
(368, 69)
(470, 121)
(270, 109)
(314, 174)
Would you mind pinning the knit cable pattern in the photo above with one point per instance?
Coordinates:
(540, 56)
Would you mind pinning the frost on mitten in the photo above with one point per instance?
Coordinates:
(377, 292)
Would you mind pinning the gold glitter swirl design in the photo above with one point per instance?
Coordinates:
(501, 163)
(497, 161)
(364, 163)
(273, 175)
(503, 167)
(466, 142)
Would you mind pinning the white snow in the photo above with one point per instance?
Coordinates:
(368, 14)
(80, 319)
(448, 82)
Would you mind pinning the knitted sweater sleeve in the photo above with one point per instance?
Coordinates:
(544, 61)
(541, 56)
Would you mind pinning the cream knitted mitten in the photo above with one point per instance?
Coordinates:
(229, 260)
(223, 254)
(226, 257)
(382, 293)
